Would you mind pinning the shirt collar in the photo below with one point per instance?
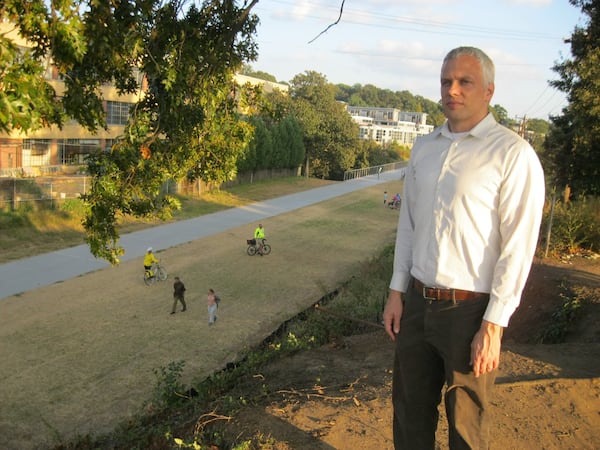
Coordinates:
(479, 131)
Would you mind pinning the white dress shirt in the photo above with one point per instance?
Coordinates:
(470, 215)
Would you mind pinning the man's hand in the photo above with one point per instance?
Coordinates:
(485, 348)
(392, 313)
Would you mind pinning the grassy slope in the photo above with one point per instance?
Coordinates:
(30, 232)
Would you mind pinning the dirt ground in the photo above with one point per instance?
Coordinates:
(78, 357)
(547, 396)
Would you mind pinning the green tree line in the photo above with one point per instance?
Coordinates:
(274, 145)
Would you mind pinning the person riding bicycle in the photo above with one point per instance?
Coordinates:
(149, 259)
(259, 235)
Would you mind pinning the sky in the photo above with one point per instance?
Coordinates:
(400, 44)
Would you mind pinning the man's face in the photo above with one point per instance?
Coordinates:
(465, 97)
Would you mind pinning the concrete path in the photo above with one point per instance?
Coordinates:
(43, 270)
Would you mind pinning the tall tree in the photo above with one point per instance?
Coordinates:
(186, 124)
(573, 144)
(330, 134)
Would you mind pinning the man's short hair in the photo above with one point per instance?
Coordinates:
(487, 65)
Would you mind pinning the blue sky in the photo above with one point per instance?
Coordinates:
(399, 45)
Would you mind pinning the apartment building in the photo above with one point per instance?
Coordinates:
(387, 125)
(39, 151)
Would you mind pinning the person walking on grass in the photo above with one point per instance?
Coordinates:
(178, 295)
(213, 305)
(467, 233)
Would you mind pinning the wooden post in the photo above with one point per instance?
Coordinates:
(549, 232)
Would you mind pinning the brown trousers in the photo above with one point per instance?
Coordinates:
(433, 348)
(178, 298)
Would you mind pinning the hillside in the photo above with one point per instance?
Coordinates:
(338, 396)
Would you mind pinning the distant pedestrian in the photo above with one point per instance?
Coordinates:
(178, 295)
(384, 198)
(259, 235)
(149, 261)
(213, 305)
(379, 172)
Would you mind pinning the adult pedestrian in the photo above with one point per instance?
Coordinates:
(178, 295)
(259, 235)
(149, 260)
(467, 233)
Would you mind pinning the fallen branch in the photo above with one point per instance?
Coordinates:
(309, 395)
(205, 419)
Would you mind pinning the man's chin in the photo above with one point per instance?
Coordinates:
(452, 114)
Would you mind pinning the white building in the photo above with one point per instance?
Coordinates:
(387, 125)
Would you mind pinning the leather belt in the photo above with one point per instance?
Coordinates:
(439, 294)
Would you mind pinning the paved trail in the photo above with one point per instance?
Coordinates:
(43, 270)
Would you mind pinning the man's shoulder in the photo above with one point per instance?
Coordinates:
(508, 141)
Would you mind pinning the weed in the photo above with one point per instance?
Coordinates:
(168, 389)
(562, 320)
(575, 226)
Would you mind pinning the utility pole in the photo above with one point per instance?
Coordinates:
(522, 126)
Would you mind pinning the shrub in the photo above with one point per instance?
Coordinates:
(168, 388)
(562, 321)
(575, 226)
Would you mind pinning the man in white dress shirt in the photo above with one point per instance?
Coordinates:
(467, 233)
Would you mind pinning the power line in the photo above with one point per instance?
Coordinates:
(373, 19)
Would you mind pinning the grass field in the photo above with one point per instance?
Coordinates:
(85, 349)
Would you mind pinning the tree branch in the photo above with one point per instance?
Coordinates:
(331, 25)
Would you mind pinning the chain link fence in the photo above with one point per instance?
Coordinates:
(51, 190)
(15, 192)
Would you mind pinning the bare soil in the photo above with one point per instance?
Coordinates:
(547, 396)
(78, 357)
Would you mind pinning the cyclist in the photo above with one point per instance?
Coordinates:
(149, 259)
(259, 235)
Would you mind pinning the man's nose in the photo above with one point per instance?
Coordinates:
(454, 88)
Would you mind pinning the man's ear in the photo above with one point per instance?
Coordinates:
(489, 92)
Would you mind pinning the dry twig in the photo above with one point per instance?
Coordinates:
(331, 25)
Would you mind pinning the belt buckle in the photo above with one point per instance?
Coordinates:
(425, 296)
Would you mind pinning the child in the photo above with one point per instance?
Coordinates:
(212, 306)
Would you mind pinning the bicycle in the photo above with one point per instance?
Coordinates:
(156, 273)
(253, 247)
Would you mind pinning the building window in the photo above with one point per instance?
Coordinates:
(108, 144)
(117, 113)
(75, 151)
(36, 152)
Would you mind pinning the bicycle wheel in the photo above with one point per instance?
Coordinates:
(148, 279)
(251, 250)
(161, 273)
(266, 249)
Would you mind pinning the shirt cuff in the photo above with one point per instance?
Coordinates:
(400, 281)
(498, 313)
